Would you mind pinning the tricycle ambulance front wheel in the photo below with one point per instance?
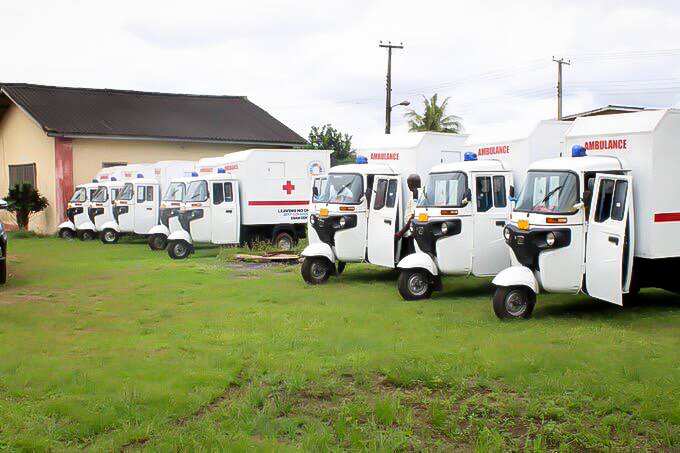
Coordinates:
(158, 242)
(87, 235)
(316, 270)
(284, 241)
(67, 233)
(414, 284)
(109, 236)
(514, 302)
(179, 250)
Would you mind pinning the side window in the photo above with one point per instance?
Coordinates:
(604, 200)
(228, 192)
(149, 193)
(141, 194)
(380, 192)
(217, 193)
(619, 203)
(499, 198)
(391, 200)
(319, 185)
(484, 197)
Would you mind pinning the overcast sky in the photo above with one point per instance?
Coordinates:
(316, 62)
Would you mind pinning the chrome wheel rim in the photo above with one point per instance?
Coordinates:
(417, 285)
(180, 249)
(516, 303)
(285, 243)
(109, 236)
(318, 270)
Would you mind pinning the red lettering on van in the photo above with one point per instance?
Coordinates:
(385, 156)
(490, 150)
(603, 145)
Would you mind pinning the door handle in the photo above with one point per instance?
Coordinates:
(228, 211)
(149, 209)
(388, 221)
(614, 240)
(500, 222)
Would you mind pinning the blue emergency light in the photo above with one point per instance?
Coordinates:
(578, 151)
(469, 156)
(221, 170)
(194, 174)
(114, 179)
(362, 160)
(139, 175)
(95, 180)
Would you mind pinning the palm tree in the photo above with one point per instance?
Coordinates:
(434, 118)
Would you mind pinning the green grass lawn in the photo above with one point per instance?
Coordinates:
(117, 347)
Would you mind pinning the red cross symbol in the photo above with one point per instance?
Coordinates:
(288, 187)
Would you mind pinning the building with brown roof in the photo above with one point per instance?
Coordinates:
(56, 137)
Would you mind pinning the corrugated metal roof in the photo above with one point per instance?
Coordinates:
(626, 123)
(135, 114)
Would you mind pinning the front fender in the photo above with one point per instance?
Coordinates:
(111, 225)
(319, 249)
(419, 260)
(517, 276)
(159, 229)
(86, 226)
(67, 225)
(180, 236)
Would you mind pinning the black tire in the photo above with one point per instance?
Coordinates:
(340, 268)
(109, 236)
(284, 241)
(414, 284)
(3, 271)
(67, 234)
(87, 235)
(158, 242)
(514, 302)
(179, 250)
(316, 270)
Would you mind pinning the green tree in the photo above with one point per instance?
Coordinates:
(434, 118)
(24, 201)
(328, 137)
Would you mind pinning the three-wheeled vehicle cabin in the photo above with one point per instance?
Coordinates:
(458, 225)
(137, 205)
(258, 194)
(361, 207)
(602, 220)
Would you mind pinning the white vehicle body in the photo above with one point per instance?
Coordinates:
(254, 194)
(362, 227)
(137, 206)
(611, 227)
(458, 224)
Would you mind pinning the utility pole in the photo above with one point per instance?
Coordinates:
(560, 62)
(388, 101)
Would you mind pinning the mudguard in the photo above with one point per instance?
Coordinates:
(180, 236)
(419, 260)
(517, 276)
(68, 225)
(159, 229)
(111, 225)
(86, 226)
(320, 249)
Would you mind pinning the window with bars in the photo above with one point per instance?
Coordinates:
(22, 174)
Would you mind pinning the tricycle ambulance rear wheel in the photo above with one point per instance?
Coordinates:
(67, 233)
(87, 235)
(414, 284)
(316, 270)
(3, 271)
(109, 236)
(179, 250)
(284, 241)
(514, 302)
(158, 242)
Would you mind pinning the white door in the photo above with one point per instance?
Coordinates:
(318, 188)
(382, 221)
(491, 210)
(226, 218)
(607, 242)
(146, 208)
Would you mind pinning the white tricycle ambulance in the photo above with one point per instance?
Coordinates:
(137, 204)
(258, 194)
(79, 222)
(459, 219)
(602, 221)
(357, 210)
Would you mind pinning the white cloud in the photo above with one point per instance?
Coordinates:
(319, 62)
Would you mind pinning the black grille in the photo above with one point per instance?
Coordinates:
(326, 227)
(71, 213)
(527, 245)
(119, 210)
(94, 212)
(166, 214)
(427, 234)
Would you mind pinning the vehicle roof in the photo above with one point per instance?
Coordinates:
(399, 140)
(471, 165)
(492, 136)
(378, 169)
(240, 156)
(620, 123)
(579, 164)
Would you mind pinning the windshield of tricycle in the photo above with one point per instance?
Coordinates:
(100, 195)
(79, 196)
(342, 188)
(444, 189)
(175, 192)
(549, 192)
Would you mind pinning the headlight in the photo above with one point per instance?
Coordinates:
(312, 219)
(445, 228)
(342, 222)
(550, 239)
(506, 233)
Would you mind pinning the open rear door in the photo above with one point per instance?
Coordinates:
(609, 248)
(382, 221)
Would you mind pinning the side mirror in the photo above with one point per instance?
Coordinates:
(512, 193)
(468, 196)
